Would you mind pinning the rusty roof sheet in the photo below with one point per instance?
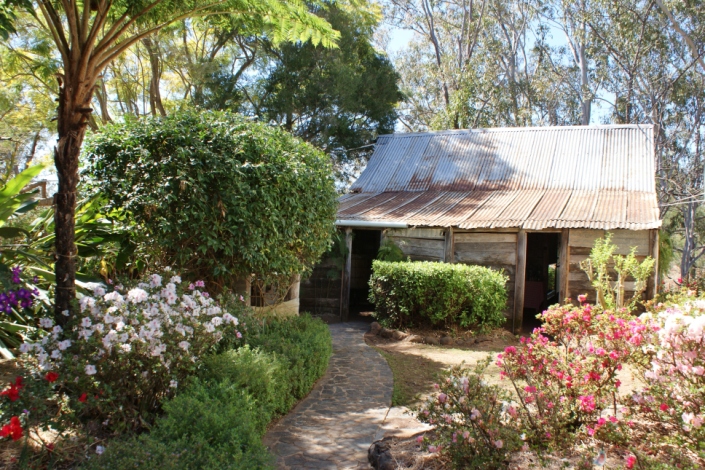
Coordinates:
(549, 177)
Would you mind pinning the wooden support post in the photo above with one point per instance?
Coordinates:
(653, 283)
(449, 246)
(519, 282)
(347, 273)
(563, 266)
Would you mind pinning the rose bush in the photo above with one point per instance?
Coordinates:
(126, 351)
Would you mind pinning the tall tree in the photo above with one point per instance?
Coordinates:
(88, 36)
(338, 99)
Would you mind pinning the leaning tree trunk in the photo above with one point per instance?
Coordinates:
(73, 113)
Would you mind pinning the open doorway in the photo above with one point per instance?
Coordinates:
(541, 286)
(365, 245)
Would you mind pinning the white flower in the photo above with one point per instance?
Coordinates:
(25, 347)
(184, 345)
(217, 321)
(57, 330)
(209, 327)
(63, 345)
(56, 354)
(99, 291)
(99, 450)
(173, 384)
(86, 302)
(155, 280)
(175, 279)
(90, 370)
(114, 297)
(126, 347)
(46, 322)
(137, 295)
(86, 322)
(65, 313)
(167, 269)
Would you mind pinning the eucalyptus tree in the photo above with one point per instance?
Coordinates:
(88, 36)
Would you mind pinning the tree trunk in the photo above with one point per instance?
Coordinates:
(688, 239)
(73, 113)
(155, 97)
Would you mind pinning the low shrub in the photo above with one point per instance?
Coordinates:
(209, 425)
(263, 375)
(303, 342)
(406, 293)
(473, 420)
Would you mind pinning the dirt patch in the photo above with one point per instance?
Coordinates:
(416, 367)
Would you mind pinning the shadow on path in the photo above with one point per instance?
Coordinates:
(333, 427)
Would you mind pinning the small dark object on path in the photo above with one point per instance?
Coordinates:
(446, 341)
(375, 328)
(380, 456)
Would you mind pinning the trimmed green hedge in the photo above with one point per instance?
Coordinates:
(219, 419)
(406, 293)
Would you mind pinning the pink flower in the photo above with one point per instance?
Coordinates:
(582, 298)
(498, 443)
(419, 439)
(631, 460)
(587, 403)
(663, 407)
(442, 398)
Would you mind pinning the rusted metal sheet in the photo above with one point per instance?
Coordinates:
(599, 177)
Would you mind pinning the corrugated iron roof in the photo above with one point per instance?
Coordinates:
(543, 177)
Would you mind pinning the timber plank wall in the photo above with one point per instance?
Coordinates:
(490, 249)
(580, 243)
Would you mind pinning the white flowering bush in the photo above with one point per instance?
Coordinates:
(675, 375)
(129, 349)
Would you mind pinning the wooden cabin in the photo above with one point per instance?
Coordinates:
(529, 201)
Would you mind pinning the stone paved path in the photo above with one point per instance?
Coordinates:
(334, 426)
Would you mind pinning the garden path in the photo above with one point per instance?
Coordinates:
(333, 427)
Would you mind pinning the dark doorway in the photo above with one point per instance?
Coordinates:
(541, 287)
(365, 245)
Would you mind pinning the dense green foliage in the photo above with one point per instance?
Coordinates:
(208, 426)
(337, 99)
(406, 293)
(219, 419)
(222, 195)
(305, 344)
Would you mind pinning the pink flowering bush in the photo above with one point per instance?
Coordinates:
(475, 423)
(674, 395)
(565, 373)
(129, 349)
